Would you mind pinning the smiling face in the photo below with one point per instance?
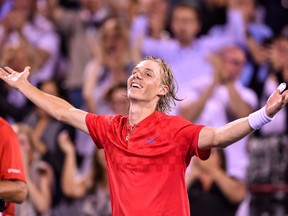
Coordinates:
(145, 83)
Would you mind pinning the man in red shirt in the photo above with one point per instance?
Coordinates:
(148, 151)
(13, 188)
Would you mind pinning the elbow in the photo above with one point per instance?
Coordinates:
(73, 191)
(239, 195)
(219, 140)
(67, 191)
(59, 115)
(62, 115)
(44, 206)
(67, 188)
(22, 193)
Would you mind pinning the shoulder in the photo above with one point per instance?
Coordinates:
(109, 119)
(174, 121)
(6, 131)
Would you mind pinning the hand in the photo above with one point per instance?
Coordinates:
(277, 101)
(221, 75)
(14, 78)
(65, 143)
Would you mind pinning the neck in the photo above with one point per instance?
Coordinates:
(138, 112)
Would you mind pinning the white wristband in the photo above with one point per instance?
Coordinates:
(259, 118)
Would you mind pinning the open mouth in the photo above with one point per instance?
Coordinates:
(136, 85)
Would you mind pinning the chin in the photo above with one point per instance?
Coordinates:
(132, 96)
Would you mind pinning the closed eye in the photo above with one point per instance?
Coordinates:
(147, 74)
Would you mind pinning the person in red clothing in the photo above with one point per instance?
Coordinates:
(147, 152)
(13, 188)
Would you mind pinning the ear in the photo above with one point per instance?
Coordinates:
(163, 90)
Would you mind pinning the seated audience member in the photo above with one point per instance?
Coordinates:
(210, 189)
(92, 188)
(47, 129)
(220, 99)
(39, 175)
(268, 148)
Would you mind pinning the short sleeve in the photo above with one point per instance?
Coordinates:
(188, 135)
(11, 166)
(98, 127)
(194, 131)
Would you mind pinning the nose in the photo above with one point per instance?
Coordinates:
(137, 75)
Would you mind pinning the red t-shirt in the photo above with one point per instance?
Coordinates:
(11, 166)
(147, 172)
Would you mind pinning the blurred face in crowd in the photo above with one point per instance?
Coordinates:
(158, 7)
(233, 60)
(92, 5)
(24, 143)
(25, 140)
(119, 102)
(17, 57)
(25, 5)
(281, 47)
(113, 36)
(48, 87)
(185, 24)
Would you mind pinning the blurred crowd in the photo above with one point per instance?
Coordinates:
(227, 57)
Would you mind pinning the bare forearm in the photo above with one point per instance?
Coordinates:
(54, 106)
(224, 136)
(40, 197)
(13, 191)
(232, 132)
(71, 187)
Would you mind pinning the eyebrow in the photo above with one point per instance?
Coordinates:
(136, 68)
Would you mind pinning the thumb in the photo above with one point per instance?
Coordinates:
(27, 68)
(281, 87)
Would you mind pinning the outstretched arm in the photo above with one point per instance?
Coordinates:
(54, 106)
(221, 137)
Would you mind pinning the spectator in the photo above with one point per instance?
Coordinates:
(209, 185)
(47, 129)
(109, 67)
(25, 23)
(39, 176)
(117, 99)
(92, 188)
(186, 53)
(268, 168)
(78, 29)
(254, 37)
(216, 101)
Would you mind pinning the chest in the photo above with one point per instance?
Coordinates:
(144, 150)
